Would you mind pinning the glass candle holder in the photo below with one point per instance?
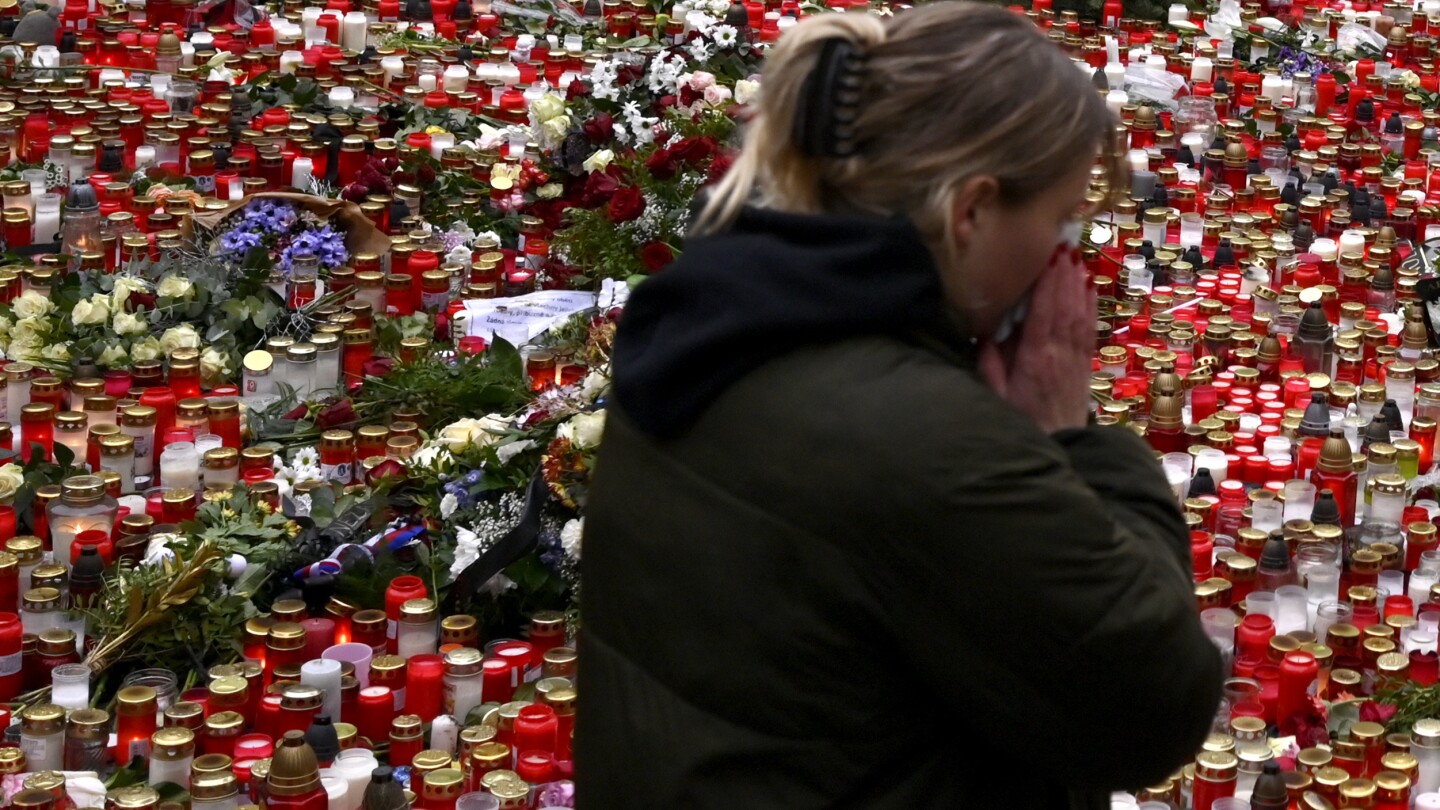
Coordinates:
(70, 686)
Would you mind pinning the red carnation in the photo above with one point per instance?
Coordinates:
(627, 204)
(355, 192)
(601, 128)
(656, 256)
(664, 103)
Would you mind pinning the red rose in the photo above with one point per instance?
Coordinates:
(689, 96)
(600, 129)
(378, 366)
(599, 188)
(576, 89)
(137, 300)
(663, 164)
(337, 413)
(355, 192)
(627, 204)
(298, 412)
(627, 74)
(718, 167)
(389, 468)
(664, 103)
(694, 150)
(404, 178)
(656, 256)
(425, 174)
(442, 327)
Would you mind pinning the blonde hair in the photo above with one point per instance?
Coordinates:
(950, 91)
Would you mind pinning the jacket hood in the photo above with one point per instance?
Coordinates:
(772, 283)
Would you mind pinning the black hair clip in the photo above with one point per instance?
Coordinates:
(830, 102)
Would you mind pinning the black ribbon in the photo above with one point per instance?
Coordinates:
(516, 543)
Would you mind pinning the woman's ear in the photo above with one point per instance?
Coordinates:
(970, 205)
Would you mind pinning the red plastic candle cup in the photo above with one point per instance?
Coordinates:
(11, 634)
(254, 746)
(1202, 550)
(424, 682)
(377, 712)
(10, 588)
(496, 685)
(535, 767)
(1424, 667)
(1297, 671)
(1252, 637)
(401, 590)
(7, 522)
(117, 383)
(268, 721)
(536, 728)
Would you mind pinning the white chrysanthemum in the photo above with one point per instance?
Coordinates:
(725, 35)
(700, 50)
(448, 505)
(505, 452)
(570, 538)
(305, 457)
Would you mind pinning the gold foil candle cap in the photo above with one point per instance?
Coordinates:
(88, 724)
(136, 701)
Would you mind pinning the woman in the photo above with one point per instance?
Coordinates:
(851, 542)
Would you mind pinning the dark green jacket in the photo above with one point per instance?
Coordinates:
(858, 578)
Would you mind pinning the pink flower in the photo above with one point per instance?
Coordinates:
(715, 95)
(700, 80)
(1373, 712)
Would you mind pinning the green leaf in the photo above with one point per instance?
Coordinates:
(64, 456)
(506, 358)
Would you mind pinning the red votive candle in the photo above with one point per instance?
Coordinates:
(11, 639)
(377, 712)
(536, 727)
(496, 685)
(424, 684)
(319, 636)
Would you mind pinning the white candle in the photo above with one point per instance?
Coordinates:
(180, 466)
(324, 674)
(457, 77)
(1201, 69)
(426, 82)
(300, 173)
(439, 142)
(355, 765)
(1179, 12)
(1116, 99)
(342, 98)
(1272, 87)
(47, 217)
(392, 65)
(336, 791)
(289, 61)
(144, 155)
(352, 31)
